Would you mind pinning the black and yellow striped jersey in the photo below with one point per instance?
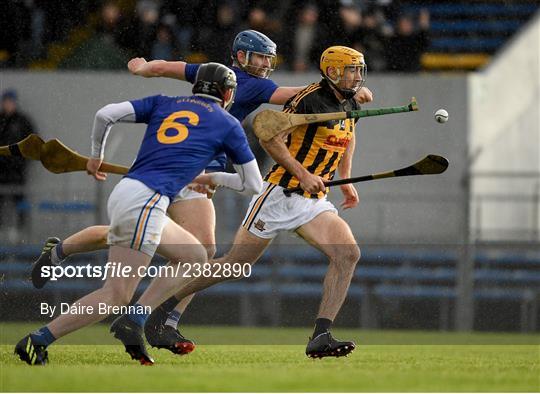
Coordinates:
(318, 146)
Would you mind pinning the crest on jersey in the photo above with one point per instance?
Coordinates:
(260, 225)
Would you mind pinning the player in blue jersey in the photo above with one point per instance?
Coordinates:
(183, 135)
(253, 56)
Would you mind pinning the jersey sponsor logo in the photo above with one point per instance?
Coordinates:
(337, 142)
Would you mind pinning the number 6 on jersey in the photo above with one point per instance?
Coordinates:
(181, 129)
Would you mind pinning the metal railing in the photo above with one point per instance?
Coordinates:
(506, 206)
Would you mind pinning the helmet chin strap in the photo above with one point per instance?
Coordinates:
(346, 93)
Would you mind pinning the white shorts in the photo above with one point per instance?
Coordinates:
(187, 194)
(137, 216)
(271, 211)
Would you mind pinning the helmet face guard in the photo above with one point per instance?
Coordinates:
(228, 105)
(355, 70)
(346, 62)
(259, 71)
(253, 43)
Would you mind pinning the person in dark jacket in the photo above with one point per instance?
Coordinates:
(405, 47)
(14, 126)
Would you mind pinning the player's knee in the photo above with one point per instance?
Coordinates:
(200, 255)
(191, 254)
(346, 256)
(210, 251)
(356, 254)
(352, 255)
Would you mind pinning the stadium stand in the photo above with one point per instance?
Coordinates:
(463, 34)
(506, 280)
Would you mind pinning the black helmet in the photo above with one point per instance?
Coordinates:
(214, 79)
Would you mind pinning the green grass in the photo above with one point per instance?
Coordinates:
(496, 362)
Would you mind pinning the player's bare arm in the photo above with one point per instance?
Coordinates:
(345, 165)
(157, 68)
(277, 149)
(284, 93)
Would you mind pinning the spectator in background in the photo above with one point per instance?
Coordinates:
(109, 25)
(383, 7)
(14, 126)
(145, 27)
(406, 45)
(304, 38)
(23, 27)
(223, 33)
(371, 39)
(38, 29)
(258, 19)
(349, 23)
(105, 50)
(219, 35)
(187, 16)
(15, 22)
(164, 47)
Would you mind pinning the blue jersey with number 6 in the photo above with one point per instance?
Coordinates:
(183, 135)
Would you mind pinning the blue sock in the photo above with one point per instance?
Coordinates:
(173, 319)
(138, 318)
(60, 251)
(57, 254)
(42, 336)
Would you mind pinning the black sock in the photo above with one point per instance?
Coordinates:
(321, 326)
(169, 305)
(161, 313)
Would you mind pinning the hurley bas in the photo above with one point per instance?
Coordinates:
(102, 309)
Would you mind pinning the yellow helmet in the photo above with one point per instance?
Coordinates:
(341, 57)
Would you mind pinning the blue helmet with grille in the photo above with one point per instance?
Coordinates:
(252, 42)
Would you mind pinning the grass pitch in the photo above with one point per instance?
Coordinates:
(233, 359)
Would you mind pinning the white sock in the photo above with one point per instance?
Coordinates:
(173, 319)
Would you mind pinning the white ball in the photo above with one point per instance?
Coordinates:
(441, 115)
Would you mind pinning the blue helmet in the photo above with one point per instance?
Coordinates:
(252, 41)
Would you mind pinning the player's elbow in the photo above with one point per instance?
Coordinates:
(104, 114)
(275, 142)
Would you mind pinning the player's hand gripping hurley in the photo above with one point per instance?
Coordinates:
(429, 165)
(269, 123)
